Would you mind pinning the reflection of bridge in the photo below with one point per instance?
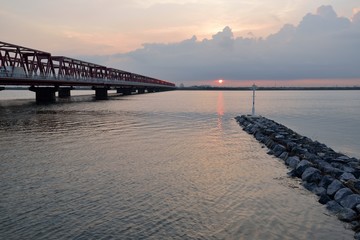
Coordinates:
(46, 74)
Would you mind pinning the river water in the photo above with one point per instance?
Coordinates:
(171, 165)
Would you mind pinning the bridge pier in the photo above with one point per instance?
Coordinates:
(44, 94)
(124, 91)
(152, 90)
(161, 89)
(141, 90)
(65, 92)
(101, 93)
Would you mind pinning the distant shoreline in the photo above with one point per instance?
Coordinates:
(209, 88)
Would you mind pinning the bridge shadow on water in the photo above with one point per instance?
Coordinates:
(25, 103)
(26, 114)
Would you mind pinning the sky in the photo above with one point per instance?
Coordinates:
(278, 42)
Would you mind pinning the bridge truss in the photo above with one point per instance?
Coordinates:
(25, 66)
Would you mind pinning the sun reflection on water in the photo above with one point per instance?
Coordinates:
(220, 109)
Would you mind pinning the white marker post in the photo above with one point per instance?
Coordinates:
(253, 106)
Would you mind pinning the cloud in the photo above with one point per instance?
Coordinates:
(356, 18)
(326, 20)
(322, 46)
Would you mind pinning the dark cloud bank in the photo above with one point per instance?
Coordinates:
(321, 46)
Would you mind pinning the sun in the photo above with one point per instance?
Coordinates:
(220, 81)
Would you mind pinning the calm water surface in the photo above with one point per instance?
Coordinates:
(171, 165)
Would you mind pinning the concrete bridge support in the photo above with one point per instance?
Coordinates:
(65, 92)
(101, 93)
(124, 91)
(44, 94)
(151, 90)
(141, 90)
(160, 89)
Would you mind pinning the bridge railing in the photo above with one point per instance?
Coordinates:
(68, 80)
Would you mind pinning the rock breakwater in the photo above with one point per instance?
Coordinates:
(332, 176)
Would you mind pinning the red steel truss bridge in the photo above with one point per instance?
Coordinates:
(46, 74)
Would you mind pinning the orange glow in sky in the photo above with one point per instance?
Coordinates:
(142, 21)
(220, 81)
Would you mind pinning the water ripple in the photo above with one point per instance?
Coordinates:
(146, 169)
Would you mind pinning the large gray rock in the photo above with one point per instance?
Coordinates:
(311, 174)
(346, 176)
(357, 236)
(342, 159)
(350, 201)
(319, 191)
(326, 181)
(349, 169)
(269, 143)
(292, 161)
(334, 187)
(355, 183)
(324, 199)
(311, 157)
(337, 172)
(290, 144)
(346, 214)
(297, 150)
(309, 186)
(333, 206)
(301, 167)
(284, 155)
(343, 192)
(279, 137)
(325, 167)
(259, 136)
(278, 149)
(354, 224)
